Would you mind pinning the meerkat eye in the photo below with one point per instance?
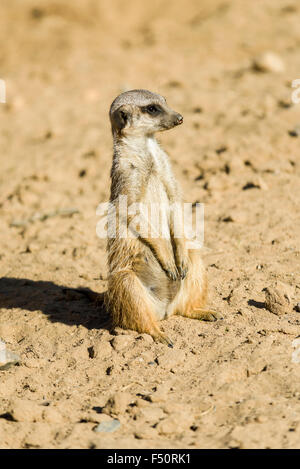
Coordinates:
(152, 109)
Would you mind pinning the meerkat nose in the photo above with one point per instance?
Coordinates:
(179, 119)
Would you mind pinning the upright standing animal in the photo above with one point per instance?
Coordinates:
(150, 278)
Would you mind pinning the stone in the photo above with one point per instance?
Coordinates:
(7, 358)
(269, 62)
(161, 393)
(23, 410)
(295, 132)
(179, 419)
(145, 338)
(152, 414)
(171, 358)
(117, 403)
(52, 415)
(108, 427)
(102, 350)
(121, 342)
(277, 299)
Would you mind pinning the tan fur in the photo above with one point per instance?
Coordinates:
(150, 278)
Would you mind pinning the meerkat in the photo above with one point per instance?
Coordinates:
(149, 278)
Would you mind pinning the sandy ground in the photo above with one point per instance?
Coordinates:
(229, 384)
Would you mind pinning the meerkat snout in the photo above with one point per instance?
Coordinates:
(142, 112)
(179, 119)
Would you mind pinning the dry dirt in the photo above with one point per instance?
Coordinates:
(228, 384)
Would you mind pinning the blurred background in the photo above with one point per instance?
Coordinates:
(227, 66)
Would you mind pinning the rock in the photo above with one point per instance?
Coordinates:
(102, 350)
(120, 342)
(108, 427)
(39, 436)
(269, 62)
(168, 426)
(152, 414)
(119, 331)
(52, 415)
(35, 363)
(237, 296)
(143, 402)
(261, 419)
(7, 358)
(145, 338)
(180, 418)
(177, 423)
(23, 410)
(277, 299)
(297, 307)
(161, 393)
(295, 132)
(171, 358)
(117, 403)
(173, 408)
(256, 365)
(233, 444)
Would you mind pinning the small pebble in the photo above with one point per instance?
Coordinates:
(295, 132)
(7, 358)
(108, 427)
(297, 307)
(269, 62)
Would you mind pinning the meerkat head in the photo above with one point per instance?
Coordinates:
(140, 112)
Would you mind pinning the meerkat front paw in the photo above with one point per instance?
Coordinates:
(171, 270)
(182, 262)
(183, 268)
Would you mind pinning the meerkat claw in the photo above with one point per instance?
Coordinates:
(172, 274)
(169, 342)
(164, 339)
(183, 271)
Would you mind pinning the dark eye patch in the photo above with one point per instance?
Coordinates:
(152, 109)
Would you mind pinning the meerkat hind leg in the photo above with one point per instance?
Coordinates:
(190, 302)
(131, 306)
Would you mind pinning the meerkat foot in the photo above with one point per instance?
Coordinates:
(206, 315)
(202, 314)
(163, 338)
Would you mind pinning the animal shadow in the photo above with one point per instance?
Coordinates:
(257, 304)
(70, 306)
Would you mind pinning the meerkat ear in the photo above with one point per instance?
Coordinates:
(120, 118)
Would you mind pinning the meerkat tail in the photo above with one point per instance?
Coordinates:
(130, 305)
